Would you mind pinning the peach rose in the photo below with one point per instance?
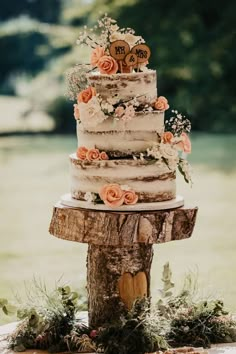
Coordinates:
(161, 103)
(112, 195)
(130, 197)
(185, 144)
(167, 137)
(93, 154)
(76, 111)
(107, 65)
(86, 95)
(81, 153)
(103, 156)
(97, 53)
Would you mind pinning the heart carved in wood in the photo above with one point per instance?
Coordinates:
(132, 287)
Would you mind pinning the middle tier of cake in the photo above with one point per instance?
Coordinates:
(121, 138)
(152, 182)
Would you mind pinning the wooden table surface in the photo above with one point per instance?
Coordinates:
(6, 329)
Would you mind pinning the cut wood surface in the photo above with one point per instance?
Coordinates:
(4, 330)
(122, 228)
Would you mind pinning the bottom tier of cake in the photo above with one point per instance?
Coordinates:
(151, 181)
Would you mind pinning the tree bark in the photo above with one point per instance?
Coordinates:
(111, 228)
(120, 251)
(115, 278)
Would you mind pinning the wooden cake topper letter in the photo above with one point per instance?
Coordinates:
(131, 59)
(118, 50)
(142, 51)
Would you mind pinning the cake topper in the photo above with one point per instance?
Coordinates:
(119, 50)
(142, 51)
(111, 46)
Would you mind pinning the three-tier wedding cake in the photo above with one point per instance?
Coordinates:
(127, 154)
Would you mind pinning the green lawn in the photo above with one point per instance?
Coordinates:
(34, 172)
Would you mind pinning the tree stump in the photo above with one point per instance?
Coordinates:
(120, 251)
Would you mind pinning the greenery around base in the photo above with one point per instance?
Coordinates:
(50, 321)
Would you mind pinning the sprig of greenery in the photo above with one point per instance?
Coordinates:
(136, 333)
(193, 322)
(46, 319)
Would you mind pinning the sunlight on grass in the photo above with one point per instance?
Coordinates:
(35, 172)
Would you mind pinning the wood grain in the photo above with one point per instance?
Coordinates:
(111, 228)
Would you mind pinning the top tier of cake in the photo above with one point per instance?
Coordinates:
(124, 87)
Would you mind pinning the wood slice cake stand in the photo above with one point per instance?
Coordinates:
(120, 251)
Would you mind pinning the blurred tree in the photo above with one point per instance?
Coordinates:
(29, 46)
(193, 47)
(44, 10)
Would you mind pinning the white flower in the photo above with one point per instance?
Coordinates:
(114, 28)
(154, 151)
(90, 113)
(90, 197)
(141, 156)
(132, 39)
(107, 107)
(129, 113)
(168, 151)
(143, 67)
(116, 36)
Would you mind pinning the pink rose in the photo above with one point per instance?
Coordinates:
(107, 65)
(130, 197)
(129, 113)
(161, 104)
(97, 53)
(93, 154)
(167, 137)
(86, 95)
(81, 153)
(119, 111)
(112, 195)
(76, 111)
(103, 156)
(185, 144)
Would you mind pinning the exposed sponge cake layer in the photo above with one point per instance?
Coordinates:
(124, 87)
(151, 182)
(124, 137)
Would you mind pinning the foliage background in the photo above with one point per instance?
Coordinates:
(193, 49)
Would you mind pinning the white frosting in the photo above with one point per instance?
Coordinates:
(142, 121)
(84, 185)
(125, 142)
(135, 135)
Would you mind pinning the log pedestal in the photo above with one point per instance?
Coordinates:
(120, 251)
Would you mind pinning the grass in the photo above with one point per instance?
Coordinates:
(34, 172)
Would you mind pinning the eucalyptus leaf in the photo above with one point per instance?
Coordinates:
(21, 314)
(4, 309)
(168, 294)
(19, 348)
(11, 309)
(3, 302)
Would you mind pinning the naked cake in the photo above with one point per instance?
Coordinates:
(127, 153)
